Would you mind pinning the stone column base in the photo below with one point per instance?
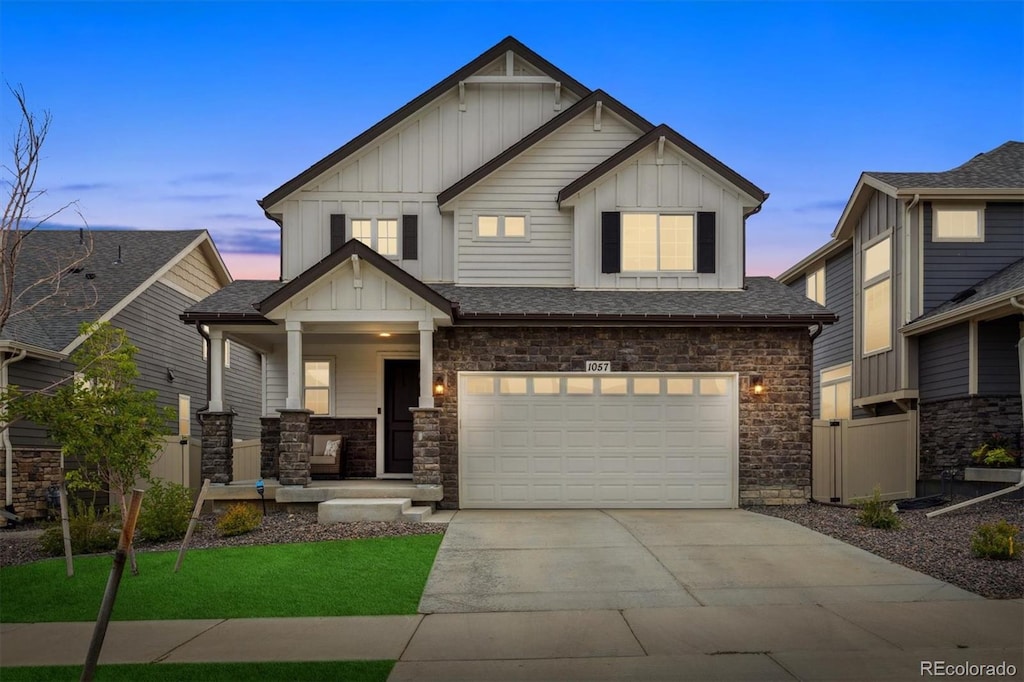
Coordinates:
(217, 456)
(293, 455)
(426, 445)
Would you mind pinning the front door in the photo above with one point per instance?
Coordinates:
(401, 391)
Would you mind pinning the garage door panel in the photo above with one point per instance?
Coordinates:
(681, 464)
(580, 465)
(548, 439)
(649, 439)
(614, 464)
(547, 465)
(514, 465)
(580, 440)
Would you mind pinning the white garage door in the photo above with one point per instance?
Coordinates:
(535, 440)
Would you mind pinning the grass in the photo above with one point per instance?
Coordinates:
(350, 671)
(367, 577)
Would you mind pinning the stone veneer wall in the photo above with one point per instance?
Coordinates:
(426, 451)
(360, 443)
(270, 446)
(217, 461)
(951, 429)
(775, 429)
(34, 472)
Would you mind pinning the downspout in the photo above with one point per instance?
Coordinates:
(817, 332)
(8, 446)
(209, 346)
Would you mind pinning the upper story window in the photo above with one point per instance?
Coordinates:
(500, 227)
(380, 234)
(876, 278)
(957, 223)
(317, 392)
(651, 242)
(816, 286)
(836, 384)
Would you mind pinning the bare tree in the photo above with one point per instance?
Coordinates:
(21, 294)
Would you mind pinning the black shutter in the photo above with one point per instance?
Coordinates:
(337, 231)
(410, 237)
(705, 242)
(611, 242)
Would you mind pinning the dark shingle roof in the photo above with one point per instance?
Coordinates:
(1008, 280)
(1000, 168)
(54, 322)
(763, 301)
(236, 300)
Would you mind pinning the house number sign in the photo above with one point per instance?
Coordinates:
(598, 366)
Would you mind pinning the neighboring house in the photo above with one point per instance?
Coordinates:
(926, 273)
(140, 281)
(519, 289)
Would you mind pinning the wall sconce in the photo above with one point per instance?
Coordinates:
(439, 385)
(170, 375)
(757, 384)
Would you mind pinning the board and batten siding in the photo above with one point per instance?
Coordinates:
(529, 185)
(943, 363)
(402, 172)
(879, 373)
(952, 267)
(998, 358)
(677, 185)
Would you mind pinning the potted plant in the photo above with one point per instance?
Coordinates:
(994, 460)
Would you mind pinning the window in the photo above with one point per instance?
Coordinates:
(501, 227)
(184, 416)
(816, 286)
(876, 317)
(836, 393)
(958, 224)
(651, 242)
(380, 234)
(317, 395)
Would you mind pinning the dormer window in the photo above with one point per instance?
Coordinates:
(954, 223)
(653, 242)
(501, 227)
(380, 234)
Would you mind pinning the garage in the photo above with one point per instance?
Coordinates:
(564, 440)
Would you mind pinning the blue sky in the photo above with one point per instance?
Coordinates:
(182, 115)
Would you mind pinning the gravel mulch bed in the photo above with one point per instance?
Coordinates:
(22, 546)
(939, 547)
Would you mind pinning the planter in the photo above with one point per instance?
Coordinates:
(992, 475)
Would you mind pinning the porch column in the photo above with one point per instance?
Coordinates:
(216, 403)
(294, 399)
(426, 364)
(217, 455)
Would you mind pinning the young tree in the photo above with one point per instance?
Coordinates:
(100, 419)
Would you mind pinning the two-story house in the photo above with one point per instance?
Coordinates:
(140, 281)
(518, 290)
(926, 273)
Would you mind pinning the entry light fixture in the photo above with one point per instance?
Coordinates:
(757, 384)
(384, 335)
(439, 385)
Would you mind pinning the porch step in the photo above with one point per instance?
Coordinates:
(348, 510)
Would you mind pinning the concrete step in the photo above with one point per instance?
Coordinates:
(417, 514)
(322, 491)
(347, 510)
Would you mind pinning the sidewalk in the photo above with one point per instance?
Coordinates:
(840, 641)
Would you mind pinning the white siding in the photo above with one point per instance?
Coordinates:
(402, 172)
(529, 185)
(679, 184)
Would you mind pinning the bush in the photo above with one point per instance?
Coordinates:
(92, 532)
(875, 513)
(239, 519)
(995, 541)
(166, 510)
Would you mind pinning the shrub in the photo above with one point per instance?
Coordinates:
(239, 519)
(996, 451)
(166, 509)
(875, 513)
(92, 532)
(995, 541)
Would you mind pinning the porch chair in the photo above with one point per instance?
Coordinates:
(327, 455)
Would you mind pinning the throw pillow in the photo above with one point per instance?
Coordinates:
(332, 448)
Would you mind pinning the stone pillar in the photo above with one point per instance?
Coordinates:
(270, 446)
(426, 445)
(293, 458)
(217, 458)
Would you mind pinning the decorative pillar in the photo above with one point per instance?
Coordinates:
(293, 457)
(426, 445)
(270, 445)
(426, 364)
(216, 461)
(295, 378)
(216, 403)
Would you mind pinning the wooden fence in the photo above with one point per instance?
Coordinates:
(851, 457)
(178, 463)
(246, 460)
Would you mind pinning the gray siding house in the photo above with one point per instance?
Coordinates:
(140, 281)
(926, 271)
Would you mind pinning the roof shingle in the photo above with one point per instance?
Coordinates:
(1000, 168)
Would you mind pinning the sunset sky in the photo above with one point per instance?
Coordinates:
(182, 115)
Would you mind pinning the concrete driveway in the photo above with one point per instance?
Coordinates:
(525, 560)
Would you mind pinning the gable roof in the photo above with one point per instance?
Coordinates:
(102, 286)
(539, 134)
(815, 259)
(995, 290)
(234, 303)
(1000, 168)
(646, 140)
(382, 126)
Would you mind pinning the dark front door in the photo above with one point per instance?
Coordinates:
(401, 391)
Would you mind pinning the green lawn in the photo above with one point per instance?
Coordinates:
(369, 577)
(350, 671)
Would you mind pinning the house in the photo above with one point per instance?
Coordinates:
(926, 273)
(520, 292)
(140, 281)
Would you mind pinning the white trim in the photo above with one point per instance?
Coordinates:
(383, 355)
(8, 346)
(822, 254)
(980, 309)
(972, 357)
(977, 209)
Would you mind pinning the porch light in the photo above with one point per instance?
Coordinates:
(384, 335)
(757, 384)
(439, 385)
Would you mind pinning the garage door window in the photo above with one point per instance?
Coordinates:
(512, 386)
(579, 386)
(480, 385)
(613, 386)
(680, 386)
(646, 386)
(714, 386)
(547, 385)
